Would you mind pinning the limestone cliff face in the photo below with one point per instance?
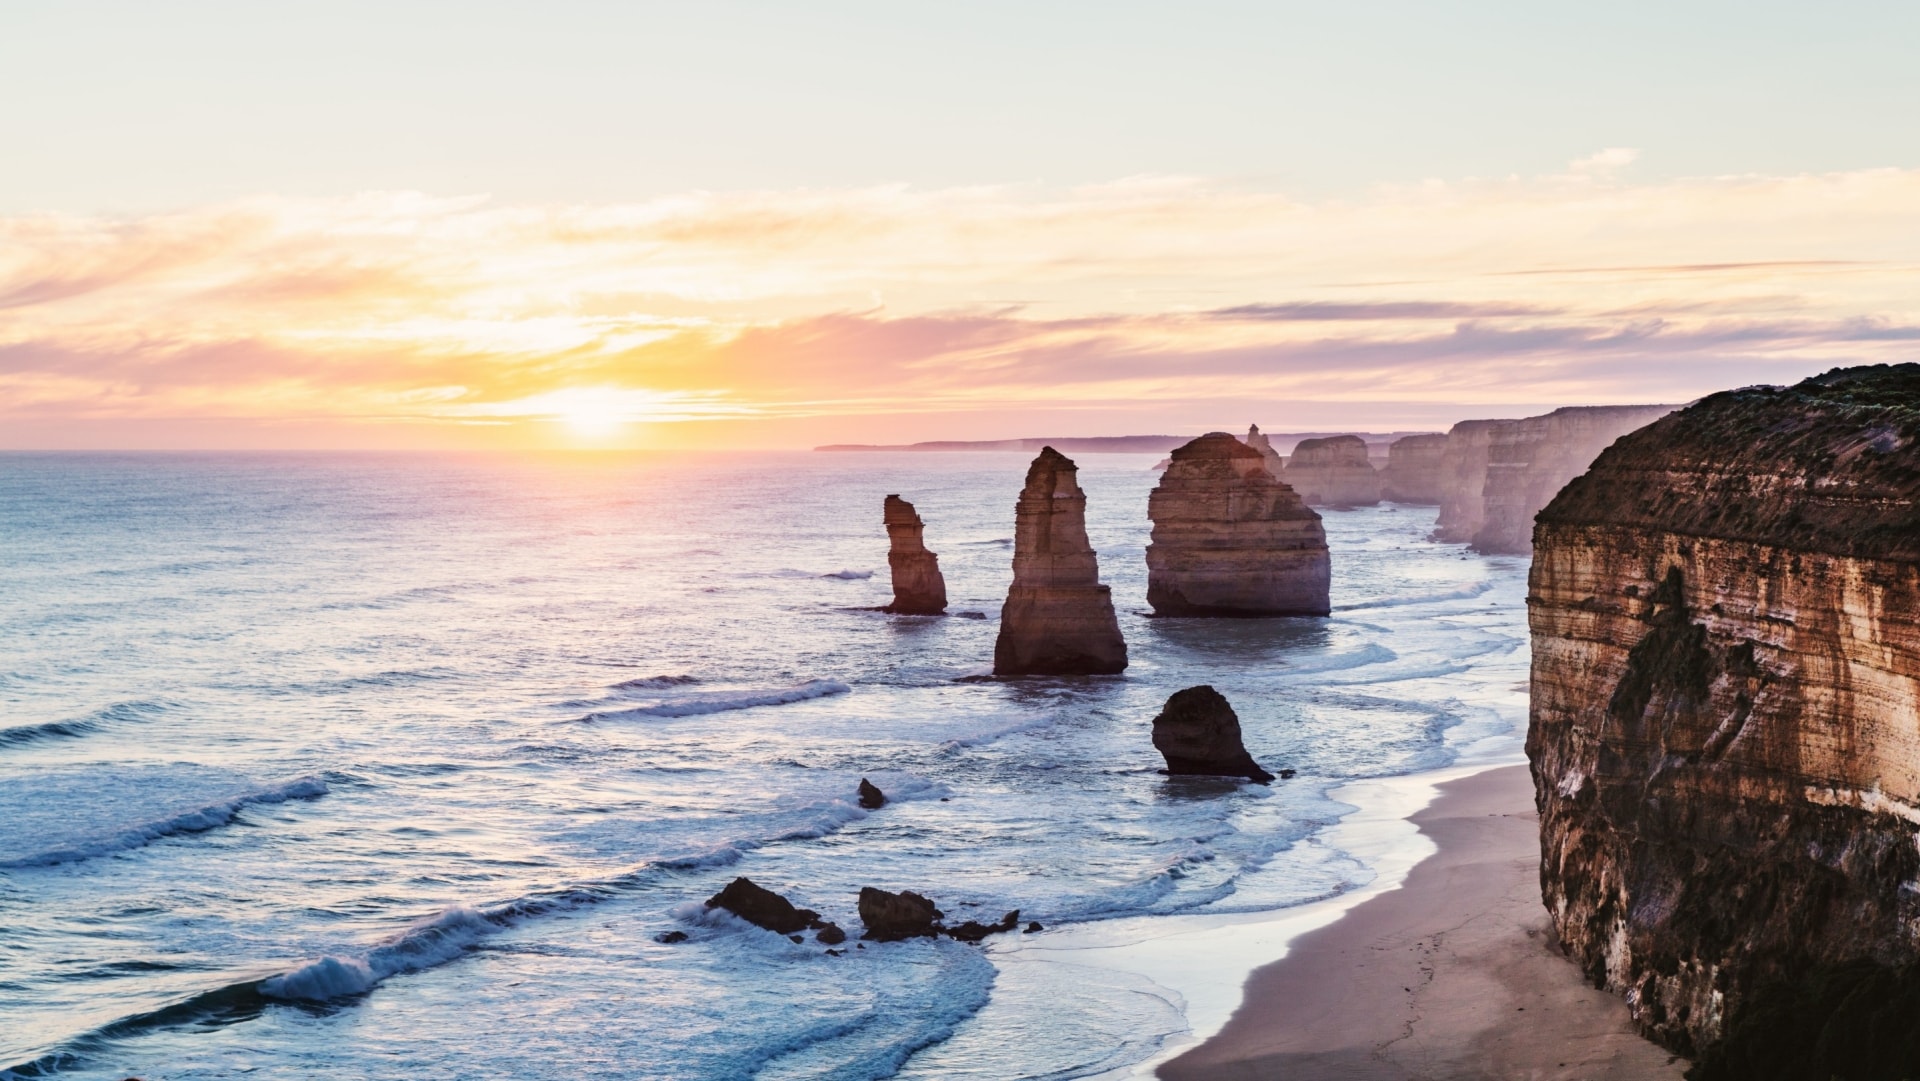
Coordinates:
(1529, 461)
(1058, 619)
(918, 586)
(1413, 469)
(1725, 729)
(1230, 540)
(1463, 480)
(1333, 472)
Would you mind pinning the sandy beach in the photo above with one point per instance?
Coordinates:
(1453, 975)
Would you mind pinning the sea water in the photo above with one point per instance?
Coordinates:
(396, 766)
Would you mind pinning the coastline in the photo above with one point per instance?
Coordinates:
(1449, 972)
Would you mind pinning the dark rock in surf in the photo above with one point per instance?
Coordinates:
(762, 907)
(1199, 734)
(890, 917)
(870, 795)
(1034, 927)
(830, 934)
(668, 938)
(974, 931)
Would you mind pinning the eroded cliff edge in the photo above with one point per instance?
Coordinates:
(1725, 726)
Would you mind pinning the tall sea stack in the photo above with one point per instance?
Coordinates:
(1230, 540)
(1058, 619)
(1413, 469)
(1257, 440)
(1334, 472)
(1725, 730)
(918, 587)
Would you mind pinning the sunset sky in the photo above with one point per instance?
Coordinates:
(764, 225)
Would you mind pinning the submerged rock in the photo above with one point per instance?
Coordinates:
(974, 931)
(668, 938)
(1413, 469)
(1334, 472)
(1199, 734)
(1058, 619)
(870, 795)
(830, 934)
(918, 586)
(1726, 674)
(762, 907)
(1231, 540)
(890, 917)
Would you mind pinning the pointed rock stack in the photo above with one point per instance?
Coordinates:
(1231, 540)
(918, 588)
(1058, 619)
(1334, 472)
(1258, 441)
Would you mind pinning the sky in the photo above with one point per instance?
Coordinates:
(765, 225)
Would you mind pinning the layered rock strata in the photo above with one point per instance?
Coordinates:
(1198, 733)
(1230, 540)
(1058, 618)
(1529, 461)
(918, 587)
(1412, 474)
(1725, 729)
(1333, 472)
(1463, 480)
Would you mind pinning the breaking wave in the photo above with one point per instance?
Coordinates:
(700, 703)
(212, 816)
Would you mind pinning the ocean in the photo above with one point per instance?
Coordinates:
(398, 765)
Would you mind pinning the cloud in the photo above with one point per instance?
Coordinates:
(1605, 161)
(404, 309)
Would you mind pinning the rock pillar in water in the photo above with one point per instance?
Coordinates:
(1257, 440)
(1199, 735)
(1413, 469)
(1058, 619)
(1231, 540)
(1334, 472)
(1725, 724)
(918, 588)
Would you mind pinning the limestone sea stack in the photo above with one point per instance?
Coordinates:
(1198, 734)
(1231, 540)
(918, 588)
(1333, 472)
(1058, 619)
(1725, 729)
(1529, 461)
(1258, 441)
(1413, 469)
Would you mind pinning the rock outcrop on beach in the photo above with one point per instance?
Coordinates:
(763, 908)
(1529, 461)
(1333, 472)
(1412, 474)
(918, 587)
(1058, 619)
(890, 917)
(1231, 540)
(1198, 733)
(1725, 729)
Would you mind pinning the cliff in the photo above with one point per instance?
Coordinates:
(1230, 540)
(918, 586)
(1463, 479)
(1412, 474)
(1529, 461)
(1058, 619)
(1334, 472)
(1725, 728)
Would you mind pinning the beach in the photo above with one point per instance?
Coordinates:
(1453, 975)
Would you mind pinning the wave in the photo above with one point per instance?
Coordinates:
(212, 816)
(97, 721)
(430, 942)
(654, 683)
(849, 575)
(1461, 593)
(701, 703)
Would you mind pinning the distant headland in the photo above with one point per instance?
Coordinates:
(1104, 444)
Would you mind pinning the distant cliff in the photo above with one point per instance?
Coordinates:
(1412, 474)
(1725, 729)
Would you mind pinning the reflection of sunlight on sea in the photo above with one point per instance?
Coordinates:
(537, 707)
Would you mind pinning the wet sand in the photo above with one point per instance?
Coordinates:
(1456, 974)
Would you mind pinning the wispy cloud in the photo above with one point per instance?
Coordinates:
(401, 309)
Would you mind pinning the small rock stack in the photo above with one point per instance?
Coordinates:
(1334, 472)
(918, 587)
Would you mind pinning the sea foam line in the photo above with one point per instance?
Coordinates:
(701, 703)
(97, 721)
(1461, 593)
(212, 816)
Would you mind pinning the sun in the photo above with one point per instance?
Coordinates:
(594, 418)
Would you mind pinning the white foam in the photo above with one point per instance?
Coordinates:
(849, 575)
(701, 703)
(428, 943)
(1462, 593)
